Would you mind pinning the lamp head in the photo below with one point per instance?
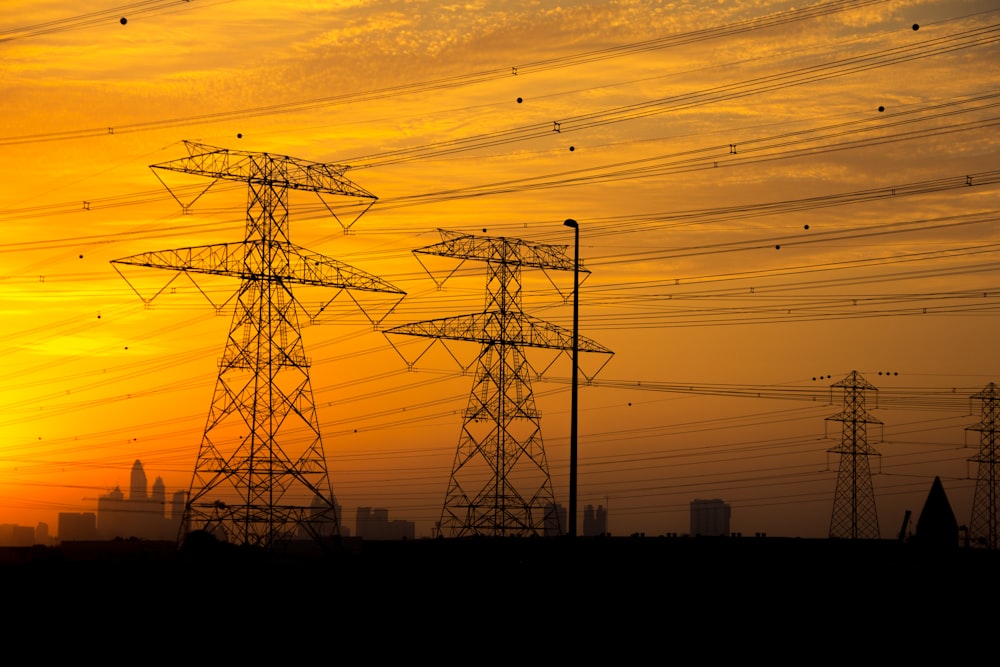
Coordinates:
(571, 223)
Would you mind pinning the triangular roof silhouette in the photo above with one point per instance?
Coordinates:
(937, 524)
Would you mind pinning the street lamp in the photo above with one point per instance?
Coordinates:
(576, 365)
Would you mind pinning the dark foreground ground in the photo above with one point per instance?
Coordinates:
(656, 593)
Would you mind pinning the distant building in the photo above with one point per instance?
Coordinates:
(117, 516)
(159, 495)
(595, 521)
(142, 515)
(709, 517)
(323, 524)
(374, 524)
(137, 488)
(177, 504)
(77, 526)
(13, 535)
(554, 520)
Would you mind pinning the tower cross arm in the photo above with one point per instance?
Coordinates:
(286, 262)
(539, 333)
(483, 328)
(249, 167)
(860, 417)
(855, 380)
(990, 400)
(311, 268)
(501, 249)
(989, 394)
(219, 259)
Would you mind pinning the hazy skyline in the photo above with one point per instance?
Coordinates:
(769, 197)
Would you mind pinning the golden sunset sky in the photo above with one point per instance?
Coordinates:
(771, 195)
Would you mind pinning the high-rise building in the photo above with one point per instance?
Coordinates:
(138, 488)
(554, 520)
(77, 526)
(159, 494)
(13, 535)
(709, 517)
(140, 515)
(112, 519)
(177, 505)
(177, 502)
(374, 524)
(595, 521)
(321, 523)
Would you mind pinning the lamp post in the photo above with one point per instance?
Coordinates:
(576, 358)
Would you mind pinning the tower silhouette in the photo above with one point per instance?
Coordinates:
(138, 488)
(500, 482)
(984, 527)
(261, 478)
(854, 516)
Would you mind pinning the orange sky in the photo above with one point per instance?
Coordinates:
(767, 199)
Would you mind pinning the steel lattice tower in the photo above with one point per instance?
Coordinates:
(500, 483)
(261, 477)
(984, 528)
(854, 514)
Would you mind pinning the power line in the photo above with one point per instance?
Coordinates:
(781, 18)
(95, 18)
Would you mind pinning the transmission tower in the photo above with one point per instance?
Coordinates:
(854, 514)
(500, 484)
(984, 528)
(261, 477)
